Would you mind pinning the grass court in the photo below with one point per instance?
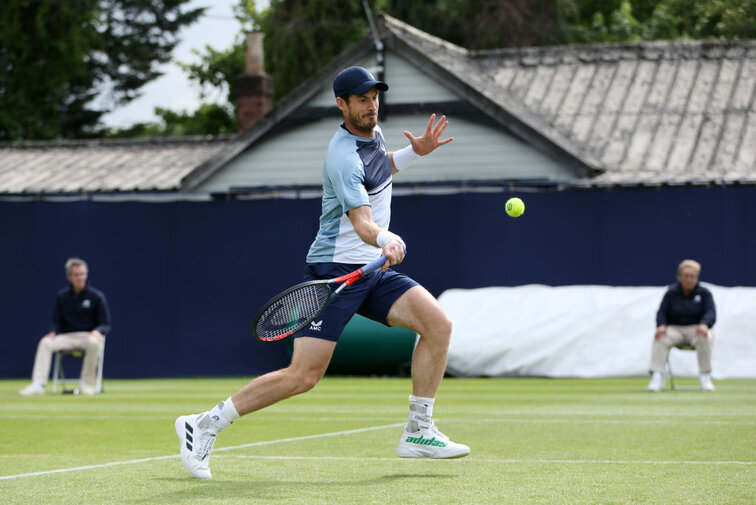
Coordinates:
(533, 441)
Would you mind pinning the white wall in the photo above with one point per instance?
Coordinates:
(586, 331)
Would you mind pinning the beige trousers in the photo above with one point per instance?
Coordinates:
(81, 341)
(677, 335)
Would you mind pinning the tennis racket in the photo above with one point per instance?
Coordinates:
(293, 309)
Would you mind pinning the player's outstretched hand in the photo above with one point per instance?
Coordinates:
(430, 140)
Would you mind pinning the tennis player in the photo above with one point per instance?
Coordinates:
(354, 230)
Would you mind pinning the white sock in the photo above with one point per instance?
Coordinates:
(38, 384)
(223, 414)
(229, 410)
(656, 376)
(420, 412)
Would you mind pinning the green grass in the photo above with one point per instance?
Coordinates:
(544, 441)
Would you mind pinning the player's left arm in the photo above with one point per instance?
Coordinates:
(362, 221)
(420, 146)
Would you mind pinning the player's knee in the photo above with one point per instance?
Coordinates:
(440, 325)
(305, 382)
(446, 325)
(438, 332)
(441, 328)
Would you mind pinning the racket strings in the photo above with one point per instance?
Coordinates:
(292, 311)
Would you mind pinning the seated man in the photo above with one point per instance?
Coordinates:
(685, 316)
(80, 321)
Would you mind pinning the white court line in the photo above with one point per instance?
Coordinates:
(158, 458)
(362, 430)
(388, 418)
(82, 416)
(506, 461)
(600, 421)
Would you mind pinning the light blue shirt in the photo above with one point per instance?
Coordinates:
(356, 172)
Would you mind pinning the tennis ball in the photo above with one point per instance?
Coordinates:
(515, 207)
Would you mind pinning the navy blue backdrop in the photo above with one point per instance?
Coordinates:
(184, 279)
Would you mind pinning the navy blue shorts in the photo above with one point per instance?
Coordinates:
(372, 297)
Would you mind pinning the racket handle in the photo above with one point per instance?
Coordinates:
(375, 264)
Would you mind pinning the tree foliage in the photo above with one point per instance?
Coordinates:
(302, 35)
(597, 21)
(57, 57)
(217, 70)
(483, 24)
(208, 119)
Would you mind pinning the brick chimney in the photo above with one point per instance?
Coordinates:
(254, 89)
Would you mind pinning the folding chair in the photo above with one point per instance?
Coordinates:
(59, 377)
(670, 376)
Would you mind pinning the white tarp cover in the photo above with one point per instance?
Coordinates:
(586, 331)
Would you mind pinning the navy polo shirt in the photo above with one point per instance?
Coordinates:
(84, 311)
(682, 310)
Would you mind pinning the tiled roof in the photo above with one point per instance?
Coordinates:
(648, 112)
(645, 113)
(89, 166)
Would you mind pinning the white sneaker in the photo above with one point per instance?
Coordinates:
(656, 384)
(429, 443)
(85, 389)
(706, 384)
(32, 390)
(197, 439)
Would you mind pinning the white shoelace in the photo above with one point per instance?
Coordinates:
(430, 425)
(204, 446)
(435, 430)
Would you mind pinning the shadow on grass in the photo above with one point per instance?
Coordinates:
(197, 490)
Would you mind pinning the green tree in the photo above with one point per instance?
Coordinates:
(216, 70)
(56, 57)
(713, 19)
(598, 21)
(208, 119)
(489, 24)
(301, 36)
(483, 24)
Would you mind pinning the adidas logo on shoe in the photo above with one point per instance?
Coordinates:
(425, 441)
(428, 442)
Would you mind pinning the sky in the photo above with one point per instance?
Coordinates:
(216, 28)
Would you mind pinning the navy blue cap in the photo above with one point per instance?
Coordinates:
(355, 81)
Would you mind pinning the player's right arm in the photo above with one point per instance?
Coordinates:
(362, 221)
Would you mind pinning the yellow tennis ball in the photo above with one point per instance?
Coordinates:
(515, 207)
